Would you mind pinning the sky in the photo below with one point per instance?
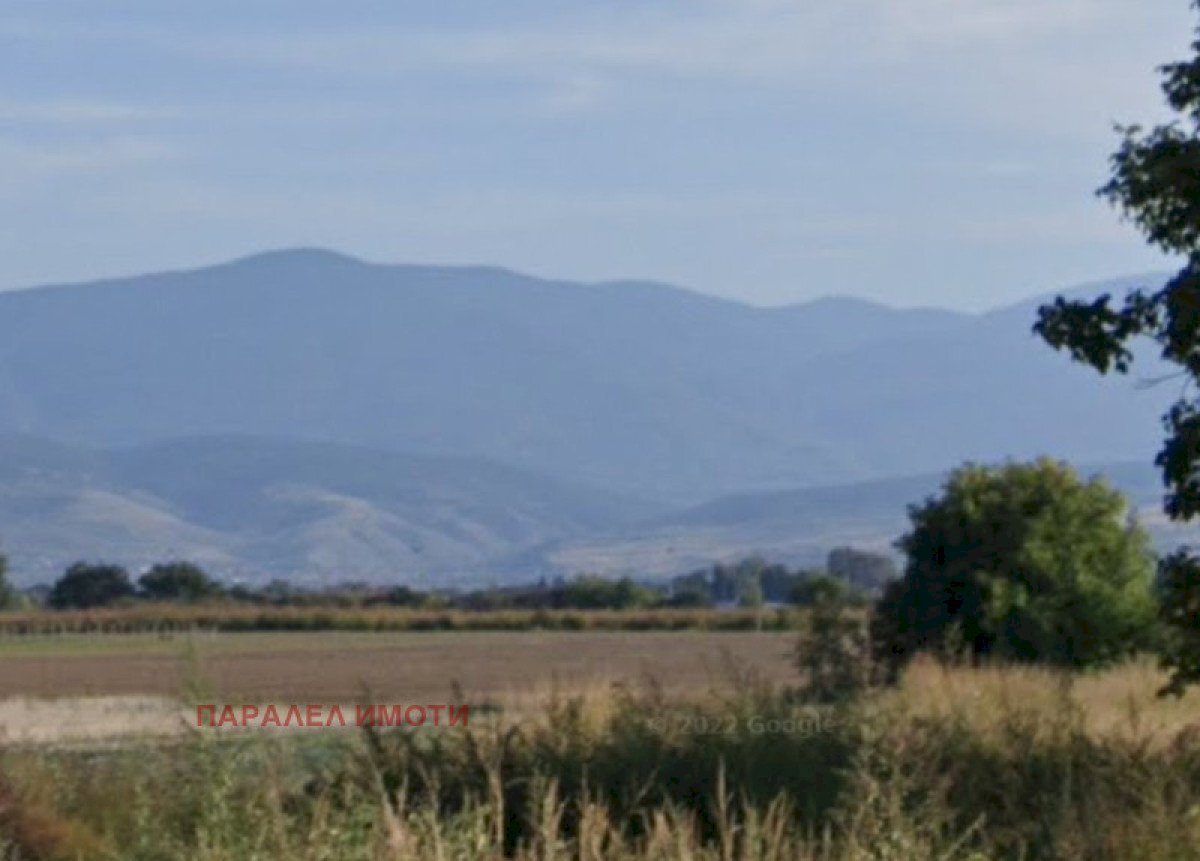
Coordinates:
(915, 152)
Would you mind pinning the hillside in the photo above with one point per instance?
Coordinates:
(801, 526)
(258, 509)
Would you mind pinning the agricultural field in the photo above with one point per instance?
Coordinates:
(73, 685)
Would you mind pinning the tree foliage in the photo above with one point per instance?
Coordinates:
(600, 593)
(1155, 184)
(8, 595)
(820, 589)
(834, 653)
(1021, 562)
(177, 581)
(864, 570)
(85, 585)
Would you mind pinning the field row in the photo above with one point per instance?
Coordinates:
(505, 668)
(167, 618)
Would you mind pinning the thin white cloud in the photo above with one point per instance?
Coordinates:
(76, 112)
(30, 165)
(1079, 64)
(738, 38)
(575, 94)
(1072, 64)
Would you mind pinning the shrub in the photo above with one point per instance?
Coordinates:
(834, 652)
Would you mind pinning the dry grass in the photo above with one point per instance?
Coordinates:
(78, 720)
(1119, 702)
(987, 764)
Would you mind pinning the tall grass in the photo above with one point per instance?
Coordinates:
(953, 764)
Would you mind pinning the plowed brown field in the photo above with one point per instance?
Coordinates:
(328, 667)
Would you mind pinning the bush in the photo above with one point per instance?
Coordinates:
(834, 652)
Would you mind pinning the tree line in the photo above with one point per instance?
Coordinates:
(851, 576)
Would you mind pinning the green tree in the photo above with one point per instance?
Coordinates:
(590, 592)
(1155, 184)
(820, 588)
(751, 596)
(1021, 562)
(861, 569)
(177, 581)
(85, 585)
(630, 595)
(778, 583)
(690, 590)
(8, 595)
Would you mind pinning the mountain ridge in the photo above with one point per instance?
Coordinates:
(637, 390)
(322, 255)
(652, 390)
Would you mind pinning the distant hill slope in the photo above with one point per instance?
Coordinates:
(260, 509)
(801, 526)
(639, 388)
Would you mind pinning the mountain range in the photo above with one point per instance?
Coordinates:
(306, 414)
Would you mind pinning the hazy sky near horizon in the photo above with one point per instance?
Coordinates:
(938, 152)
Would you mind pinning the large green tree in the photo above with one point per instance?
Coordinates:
(1155, 183)
(1022, 562)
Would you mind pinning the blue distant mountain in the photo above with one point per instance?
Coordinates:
(642, 393)
(631, 386)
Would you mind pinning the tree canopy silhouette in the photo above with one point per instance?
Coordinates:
(85, 586)
(1155, 184)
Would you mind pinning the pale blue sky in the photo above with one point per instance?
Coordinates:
(912, 151)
